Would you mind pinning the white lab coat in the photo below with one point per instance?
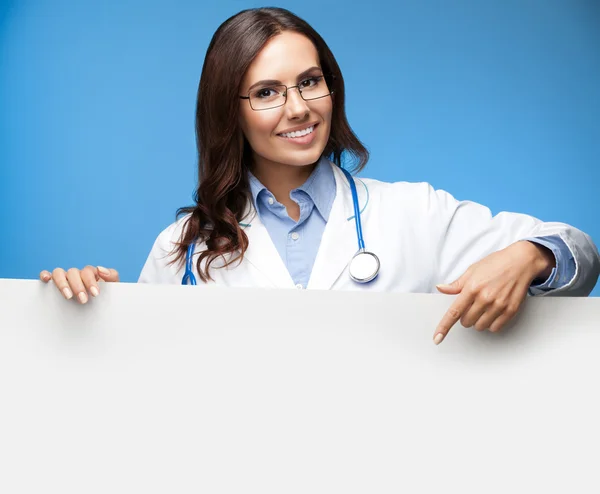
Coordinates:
(422, 237)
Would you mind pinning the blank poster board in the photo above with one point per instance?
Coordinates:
(184, 389)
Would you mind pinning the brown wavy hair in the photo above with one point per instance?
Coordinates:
(224, 155)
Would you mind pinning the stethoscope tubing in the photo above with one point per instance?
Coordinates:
(357, 220)
(189, 276)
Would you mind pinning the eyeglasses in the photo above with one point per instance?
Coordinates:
(273, 96)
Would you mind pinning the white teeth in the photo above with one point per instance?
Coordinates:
(298, 133)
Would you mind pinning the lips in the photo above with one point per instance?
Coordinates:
(298, 132)
(305, 140)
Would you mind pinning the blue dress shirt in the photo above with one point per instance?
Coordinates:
(298, 241)
(563, 272)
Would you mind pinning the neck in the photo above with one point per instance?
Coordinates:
(281, 180)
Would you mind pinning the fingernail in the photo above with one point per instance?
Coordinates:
(67, 293)
(103, 270)
(443, 286)
(94, 291)
(438, 338)
(82, 297)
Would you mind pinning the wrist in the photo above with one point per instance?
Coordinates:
(539, 258)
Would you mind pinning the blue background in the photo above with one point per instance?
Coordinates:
(496, 102)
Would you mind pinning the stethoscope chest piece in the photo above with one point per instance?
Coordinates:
(364, 266)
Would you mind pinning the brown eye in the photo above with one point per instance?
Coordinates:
(310, 82)
(266, 93)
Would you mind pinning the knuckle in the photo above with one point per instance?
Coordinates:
(474, 287)
(488, 296)
(453, 313)
(72, 271)
(88, 274)
(511, 310)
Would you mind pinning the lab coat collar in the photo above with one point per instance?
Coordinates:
(338, 244)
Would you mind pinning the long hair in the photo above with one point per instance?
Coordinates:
(223, 192)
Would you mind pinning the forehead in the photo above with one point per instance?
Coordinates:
(282, 58)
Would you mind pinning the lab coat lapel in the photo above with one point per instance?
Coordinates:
(339, 242)
(262, 253)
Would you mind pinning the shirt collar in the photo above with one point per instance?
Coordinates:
(255, 188)
(320, 188)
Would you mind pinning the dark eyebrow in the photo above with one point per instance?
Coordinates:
(271, 82)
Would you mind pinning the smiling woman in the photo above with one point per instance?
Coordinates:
(286, 140)
(275, 208)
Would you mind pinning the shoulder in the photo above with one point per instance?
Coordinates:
(400, 191)
(164, 251)
(160, 266)
(416, 194)
(168, 238)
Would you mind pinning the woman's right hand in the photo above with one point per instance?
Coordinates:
(75, 282)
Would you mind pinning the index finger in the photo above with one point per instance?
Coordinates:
(452, 316)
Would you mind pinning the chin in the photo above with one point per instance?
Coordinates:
(302, 161)
(302, 158)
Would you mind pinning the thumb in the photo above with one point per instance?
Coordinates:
(452, 288)
(109, 275)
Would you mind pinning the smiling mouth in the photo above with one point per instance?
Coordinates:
(299, 133)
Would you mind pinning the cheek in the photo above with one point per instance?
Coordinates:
(325, 111)
(257, 126)
(328, 112)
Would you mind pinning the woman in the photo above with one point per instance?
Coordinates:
(274, 208)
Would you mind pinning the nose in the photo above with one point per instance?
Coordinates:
(295, 106)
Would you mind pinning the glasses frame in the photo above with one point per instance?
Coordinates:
(297, 86)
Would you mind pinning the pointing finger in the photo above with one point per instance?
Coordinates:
(452, 316)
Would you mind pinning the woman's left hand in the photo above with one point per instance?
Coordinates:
(492, 290)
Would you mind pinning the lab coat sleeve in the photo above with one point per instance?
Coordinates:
(563, 272)
(467, 232)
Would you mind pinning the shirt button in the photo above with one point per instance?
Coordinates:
(295, 236)
(271, 201)
(299, 286)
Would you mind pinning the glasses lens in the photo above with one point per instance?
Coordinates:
(314, 87)
(267, 97)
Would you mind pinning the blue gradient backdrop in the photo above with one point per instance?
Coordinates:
(496, 102)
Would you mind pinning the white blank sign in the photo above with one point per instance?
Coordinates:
(186, 389)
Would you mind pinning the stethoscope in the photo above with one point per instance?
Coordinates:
(363, 267)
